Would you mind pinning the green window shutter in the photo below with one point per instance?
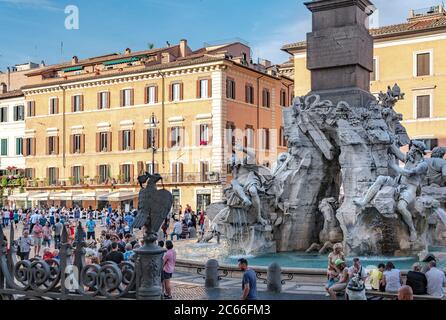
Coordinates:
(18, 146)
(4, 147)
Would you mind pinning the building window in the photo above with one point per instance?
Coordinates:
(176, 137)
(52, 145)
(423, 67)
(266, 98)
(19, 146)
(374, 73)
(176, 92)
(126, 97)
(31, 108)
(126, 140)
(151, 138)
(249, 94)
(29, 147)
(423, 107)
(77, 143)
(77, 178)
(230, 89)
(29, 173)
(126, 173)
(4, 147)
(204, 89)
(4, 114)
(104, 173)
(103, 141)
(52, 176)
(151, 95)
(204, 135)
(265, 139)
(230, 134)
(283, 98)
(54, 105)
(177, 172)
(282, 138)
(19, 113)
(103, 100)
(249, 137)
(204, 171)
(77, 103)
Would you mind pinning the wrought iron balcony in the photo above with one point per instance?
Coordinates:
(191, 177)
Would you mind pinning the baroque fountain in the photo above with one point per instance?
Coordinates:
(344, 177)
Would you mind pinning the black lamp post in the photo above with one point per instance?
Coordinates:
(153, 124)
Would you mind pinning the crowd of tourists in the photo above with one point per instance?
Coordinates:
(351, 281)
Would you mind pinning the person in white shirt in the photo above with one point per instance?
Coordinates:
(177, 230)
(35, 217)
(392, 278)
(436, 280)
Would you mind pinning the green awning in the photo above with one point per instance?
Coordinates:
(73, 69)
(113, 62)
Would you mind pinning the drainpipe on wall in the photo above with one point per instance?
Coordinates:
(163, 142)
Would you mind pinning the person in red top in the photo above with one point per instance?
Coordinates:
(201, 221)
(47, 254)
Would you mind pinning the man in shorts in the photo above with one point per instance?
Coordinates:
(340, 285)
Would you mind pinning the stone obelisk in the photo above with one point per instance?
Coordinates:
(340, 50)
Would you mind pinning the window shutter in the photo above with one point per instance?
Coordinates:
(145, 142)
(25, 147)
(33, 146)
(81, 178)
(246, 94)
(121, 98)
(140, 167)
(198, 89)
(209, 134)
(132, 140)
(107, 98)
(209, 88)
(182, 136)
(72, 104)
(132, 97)
(98, 142)
(180, 173)
(57, 105)
(82, 143)
(56, 145)
(57, 174)
(198, 134)
(174, 172)
(109, 141)
(156, 94)
(181, 91)
(170, 92)
(47, 150)
(72, 143)
(169, 140)
(146, 94)
(99, 100)
(120, 144)
(81, 102)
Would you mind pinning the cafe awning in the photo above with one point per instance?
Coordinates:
(19, 196)
(40, 196)
(92, 196)
(118, 196)
(63, 195)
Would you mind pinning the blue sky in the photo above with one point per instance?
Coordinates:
(32, 30)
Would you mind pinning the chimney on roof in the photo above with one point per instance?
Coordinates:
(128, 51)
(74, 60)
(3, 87)
(183, 48)
(265, 63)
(166, 57)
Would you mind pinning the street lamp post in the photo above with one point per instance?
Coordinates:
(153, 124)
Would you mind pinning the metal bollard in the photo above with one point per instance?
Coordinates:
(274, 278)
(211, 274)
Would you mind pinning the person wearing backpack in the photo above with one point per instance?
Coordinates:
(356, 285)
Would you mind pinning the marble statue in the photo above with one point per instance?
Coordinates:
(436, 173)
(406, 184)
(331, 232)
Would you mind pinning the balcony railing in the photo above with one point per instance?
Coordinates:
(191, 177)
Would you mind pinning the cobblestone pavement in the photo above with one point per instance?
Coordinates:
(191, 287)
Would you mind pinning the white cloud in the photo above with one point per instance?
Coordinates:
(35, 4)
